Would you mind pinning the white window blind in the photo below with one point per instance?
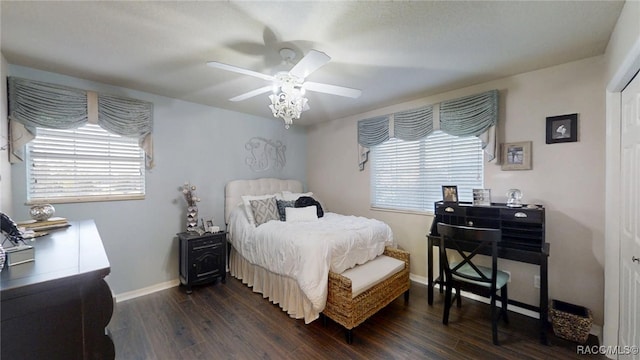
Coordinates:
(408, 175)
(84, 164)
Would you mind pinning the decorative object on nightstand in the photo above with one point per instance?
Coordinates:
(202, 258)
(41, 212)
(210, 228)
(192, 208)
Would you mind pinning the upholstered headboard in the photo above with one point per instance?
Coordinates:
(236, 188)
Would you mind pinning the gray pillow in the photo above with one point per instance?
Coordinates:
(264, 210)
(282, 204)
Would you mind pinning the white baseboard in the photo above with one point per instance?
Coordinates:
(146, 291)
(596, 330)
(418, 279)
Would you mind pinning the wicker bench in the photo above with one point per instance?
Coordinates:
(349, 311)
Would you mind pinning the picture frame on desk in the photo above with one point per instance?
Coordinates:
(481, 197)
(450, 194)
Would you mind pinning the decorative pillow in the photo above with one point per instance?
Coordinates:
(304, 201)
(247, 205)
(301, 214)
(288, 195)
(264, 210)
(282, 204)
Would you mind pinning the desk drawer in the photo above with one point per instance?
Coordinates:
(521, 215)
(445, 209)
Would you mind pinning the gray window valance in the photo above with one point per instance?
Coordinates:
(124, 116)
(34, 104)
(414, 124)
(469, 115)
(406, 125)
(37, 104)
(475, 115)
(373, 131)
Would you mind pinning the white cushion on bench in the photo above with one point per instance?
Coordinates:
(371, 273)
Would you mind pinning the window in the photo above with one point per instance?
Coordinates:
(84, 164)
(408, 175)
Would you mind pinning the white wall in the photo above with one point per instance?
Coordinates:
(5, 169)
(192, 142)
(567, 178)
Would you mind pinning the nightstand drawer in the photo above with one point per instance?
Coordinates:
(205, 243)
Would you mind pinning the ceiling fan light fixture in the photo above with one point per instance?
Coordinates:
(287, 106)
(288, 100)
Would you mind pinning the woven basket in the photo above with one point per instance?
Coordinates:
(571, 322)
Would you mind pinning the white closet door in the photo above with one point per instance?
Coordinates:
(629, 334)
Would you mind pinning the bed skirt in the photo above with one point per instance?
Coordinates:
(280, 290)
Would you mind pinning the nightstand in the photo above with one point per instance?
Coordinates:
(202, 258)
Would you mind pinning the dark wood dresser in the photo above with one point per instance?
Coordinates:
(202, 258)
(58, 306)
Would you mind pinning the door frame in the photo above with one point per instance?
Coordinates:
(623, 75)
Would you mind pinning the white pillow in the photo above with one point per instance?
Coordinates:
(307, 213)
(291, 196)
(247, 205)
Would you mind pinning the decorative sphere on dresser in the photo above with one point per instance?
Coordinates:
(41, 212)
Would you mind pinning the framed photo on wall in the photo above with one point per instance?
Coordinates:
(516, 156)
(450, 193)
(562, 128)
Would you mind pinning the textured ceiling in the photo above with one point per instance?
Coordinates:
(392, 51)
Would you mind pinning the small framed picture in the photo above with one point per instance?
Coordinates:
(562, 128)
(516, 156)
(450, 193)
(481, 197)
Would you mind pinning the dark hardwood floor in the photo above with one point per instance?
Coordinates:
(229, 321)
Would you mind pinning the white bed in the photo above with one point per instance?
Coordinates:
(289, 262)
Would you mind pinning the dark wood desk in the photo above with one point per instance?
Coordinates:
(58, 306)
(523, 232)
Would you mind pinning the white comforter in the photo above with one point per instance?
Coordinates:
(306, 250)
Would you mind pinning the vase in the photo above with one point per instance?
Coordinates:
(192, 218)
(41, 212)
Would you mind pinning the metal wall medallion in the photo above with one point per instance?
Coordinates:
(265, 154)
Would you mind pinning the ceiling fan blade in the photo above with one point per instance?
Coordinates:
(309, 63)
(239, 70)
(332, 89)
(252, 93)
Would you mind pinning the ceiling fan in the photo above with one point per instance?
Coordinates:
(288, 87)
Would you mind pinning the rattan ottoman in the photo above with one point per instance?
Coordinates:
(351, 311)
